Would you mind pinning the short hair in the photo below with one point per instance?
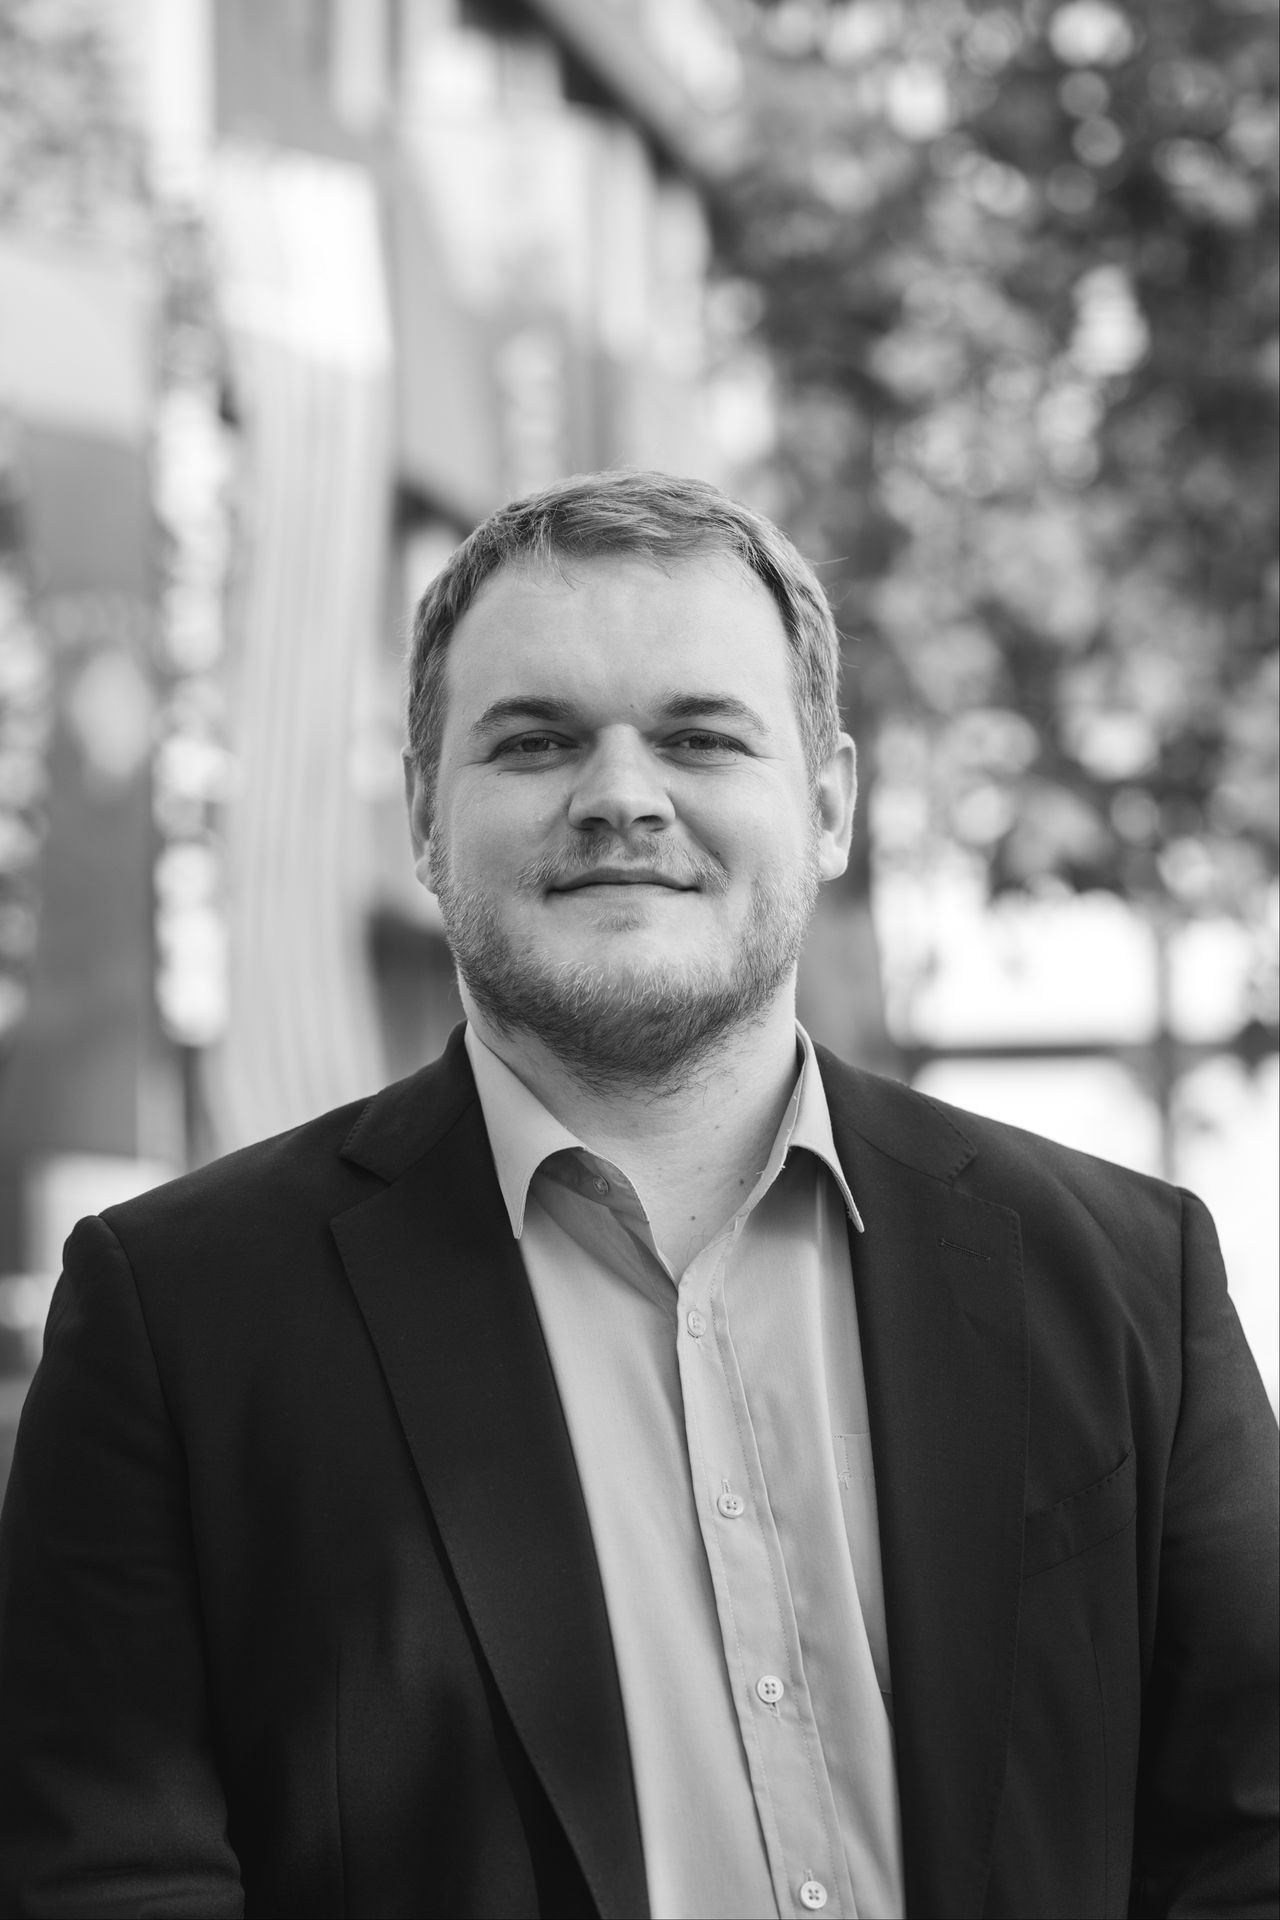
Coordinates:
(658, 517)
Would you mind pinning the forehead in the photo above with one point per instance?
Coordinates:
(616, 624)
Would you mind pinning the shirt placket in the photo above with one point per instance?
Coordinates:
(792, 1790)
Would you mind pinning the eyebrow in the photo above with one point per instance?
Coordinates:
(678, 706)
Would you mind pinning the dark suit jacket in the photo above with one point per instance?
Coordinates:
(300, 1612)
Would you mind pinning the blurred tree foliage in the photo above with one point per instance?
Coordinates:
(1016, 270)
(70, 173)
(70, 162)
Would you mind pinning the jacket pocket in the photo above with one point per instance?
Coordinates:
(1082, 1520)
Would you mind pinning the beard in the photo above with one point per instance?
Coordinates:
(644, 1024)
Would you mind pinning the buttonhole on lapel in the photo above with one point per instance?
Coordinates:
(954, 1246)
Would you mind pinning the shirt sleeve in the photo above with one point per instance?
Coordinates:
(110, 1799)
(1206, 1841)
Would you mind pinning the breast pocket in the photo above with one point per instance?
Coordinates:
(1081, 1521)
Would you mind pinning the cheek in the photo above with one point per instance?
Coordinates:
(496, 826)
(752, 839)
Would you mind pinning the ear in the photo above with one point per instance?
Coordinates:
(417, 803)
(837, 797)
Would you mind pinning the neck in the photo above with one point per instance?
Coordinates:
(694, 1150)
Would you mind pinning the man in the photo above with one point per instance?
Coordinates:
(639, 1464)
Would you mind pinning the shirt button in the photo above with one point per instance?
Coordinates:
(771, 1690)
(813, 1895)
(731, 1506)
(696, 1324)
(600, 1184)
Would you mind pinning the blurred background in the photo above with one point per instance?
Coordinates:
(978, 300)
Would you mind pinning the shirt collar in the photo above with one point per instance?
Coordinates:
(523, 1134)
(812, 1124)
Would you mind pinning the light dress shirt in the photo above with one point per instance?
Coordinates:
(718, 1420)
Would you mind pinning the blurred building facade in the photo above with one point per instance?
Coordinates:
(330, 280)
(393, 262)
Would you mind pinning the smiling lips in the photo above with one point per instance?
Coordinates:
(624, 877)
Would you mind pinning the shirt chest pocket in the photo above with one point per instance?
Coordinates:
(1081, 1521)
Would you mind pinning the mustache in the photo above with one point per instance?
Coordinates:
(683, 867)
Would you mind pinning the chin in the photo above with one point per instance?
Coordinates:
(623, 950)
(638, 928)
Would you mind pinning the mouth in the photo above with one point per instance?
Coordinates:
(612, 877)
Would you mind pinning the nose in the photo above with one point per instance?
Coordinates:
(621, 786)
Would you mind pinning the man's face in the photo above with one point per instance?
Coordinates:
(626, 841)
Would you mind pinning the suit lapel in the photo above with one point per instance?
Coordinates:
(941, 1311)
(938, 1278)
(445, 1298)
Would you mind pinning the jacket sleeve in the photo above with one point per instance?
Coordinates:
(1206, 1841)
(110, 1800)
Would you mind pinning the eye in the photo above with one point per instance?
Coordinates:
(705, 745)
(530, 746)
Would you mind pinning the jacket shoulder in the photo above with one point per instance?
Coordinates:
(315, 1169)
(292, 1166)
(1023, 1154)
(995, 1160)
